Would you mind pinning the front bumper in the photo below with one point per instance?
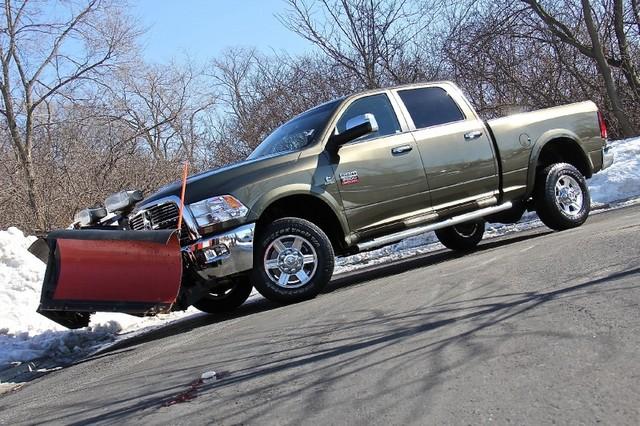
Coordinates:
(224, 254)
(607, 156)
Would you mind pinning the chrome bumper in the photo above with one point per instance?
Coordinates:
(223, 254)
(607, 156)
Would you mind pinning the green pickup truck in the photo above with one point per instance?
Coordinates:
(361, 172)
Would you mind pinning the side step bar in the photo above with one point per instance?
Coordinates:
(467, 217)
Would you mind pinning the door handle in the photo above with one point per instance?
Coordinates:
(473, 135)
(400, 149)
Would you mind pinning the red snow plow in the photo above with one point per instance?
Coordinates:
(135, 272)
(148, 256)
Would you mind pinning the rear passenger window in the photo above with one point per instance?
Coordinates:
(430, 106)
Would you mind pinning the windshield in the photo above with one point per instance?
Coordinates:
(297, 133)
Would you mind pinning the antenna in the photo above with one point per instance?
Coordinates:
(184, 186)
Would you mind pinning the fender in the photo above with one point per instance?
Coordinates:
(299, 189)
(547, 137)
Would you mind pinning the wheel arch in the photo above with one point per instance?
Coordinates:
(320, 209)
(557, 146)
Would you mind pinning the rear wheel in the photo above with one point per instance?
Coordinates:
(562, 197)
(293, 261)
(462, 237)
(227, 297)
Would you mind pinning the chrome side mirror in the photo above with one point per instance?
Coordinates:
(356, 127)
(362, 119)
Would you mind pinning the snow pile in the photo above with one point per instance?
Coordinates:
(21, 277)
(26, 335)
(622, 179)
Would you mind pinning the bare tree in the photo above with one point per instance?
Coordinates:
(162, 105)
(593, 48)
(627, 64)
(81, 116)
(378, 41)
(522, 55)
(260, 92)
(49, 50)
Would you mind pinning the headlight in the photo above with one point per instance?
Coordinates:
(122, 200)
(90, 216)
(217, 210)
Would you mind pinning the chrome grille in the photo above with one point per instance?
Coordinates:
(161, 216)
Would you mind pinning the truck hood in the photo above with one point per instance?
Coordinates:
(223, 180)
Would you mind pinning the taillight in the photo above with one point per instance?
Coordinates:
(603, 126)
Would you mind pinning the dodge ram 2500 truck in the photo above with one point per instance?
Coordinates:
(350, 175)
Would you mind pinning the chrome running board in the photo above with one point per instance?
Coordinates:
(467, 217)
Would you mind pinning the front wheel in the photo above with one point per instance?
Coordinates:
(227, 297)
(293, 261)
(562, 197)
(462, 237)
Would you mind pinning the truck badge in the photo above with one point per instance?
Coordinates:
(146, 220)
(349, 178)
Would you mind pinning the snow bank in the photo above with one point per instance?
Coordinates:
(26, 335)
(21, 278)
(622, 179)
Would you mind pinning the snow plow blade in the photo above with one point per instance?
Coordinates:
(134, 272)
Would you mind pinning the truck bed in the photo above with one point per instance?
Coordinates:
(519, 138)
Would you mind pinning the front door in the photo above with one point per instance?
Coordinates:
(380, 175)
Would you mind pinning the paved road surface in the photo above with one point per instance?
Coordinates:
(536, 328)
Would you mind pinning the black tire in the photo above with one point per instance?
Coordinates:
(226, 298)
(462, 237)
(557, 209)
(312, 241)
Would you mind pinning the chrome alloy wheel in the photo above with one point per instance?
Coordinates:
(290, 261)
(569, 195)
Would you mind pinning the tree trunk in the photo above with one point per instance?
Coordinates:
(636, 13)
(23, 147)
(32, 197)
(628, 68)
(605, 72)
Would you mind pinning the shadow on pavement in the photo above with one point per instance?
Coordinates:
(339, 348)
(339, 282)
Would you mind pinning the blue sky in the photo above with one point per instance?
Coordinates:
(203, 28)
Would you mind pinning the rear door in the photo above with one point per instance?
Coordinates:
(380, 175)
(456, 152)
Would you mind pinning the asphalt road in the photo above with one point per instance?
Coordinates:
(535, 328)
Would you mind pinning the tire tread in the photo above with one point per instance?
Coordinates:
(544, 197)
(324, 250)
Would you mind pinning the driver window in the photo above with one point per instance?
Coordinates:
(380, 107)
